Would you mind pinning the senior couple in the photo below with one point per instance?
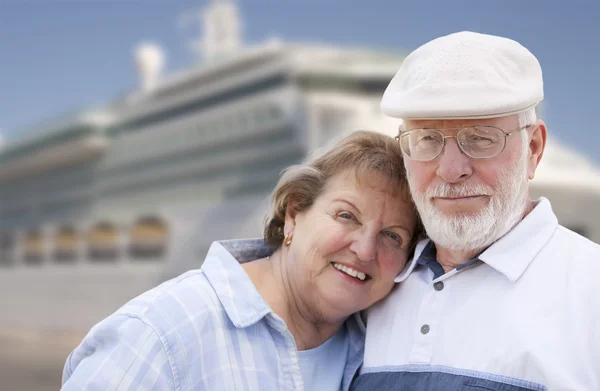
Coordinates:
(414, 263)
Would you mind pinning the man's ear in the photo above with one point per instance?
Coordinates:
(537, 145)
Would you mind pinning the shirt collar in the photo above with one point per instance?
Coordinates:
(512, 254)
(428, 258)
(234, 288)
(356, 333)
(244, 305)
(421, 246)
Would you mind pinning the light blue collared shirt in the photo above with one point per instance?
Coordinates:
(208, 329)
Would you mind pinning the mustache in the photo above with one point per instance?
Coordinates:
(459, 190)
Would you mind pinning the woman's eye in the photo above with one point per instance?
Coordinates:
(346, 215)
(394, 237)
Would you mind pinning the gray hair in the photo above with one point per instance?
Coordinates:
(528, 117)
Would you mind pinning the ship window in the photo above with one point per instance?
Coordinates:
(7, 244)
(33, 247)
(148, 239)
(373, 86)
(66, 243)
(103, 242)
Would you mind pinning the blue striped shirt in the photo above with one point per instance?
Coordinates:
(208, 329)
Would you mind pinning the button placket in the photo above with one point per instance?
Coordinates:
(428, 321)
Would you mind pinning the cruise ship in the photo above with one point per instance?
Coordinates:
(104, 204)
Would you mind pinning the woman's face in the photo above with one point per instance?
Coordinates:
(349, 246)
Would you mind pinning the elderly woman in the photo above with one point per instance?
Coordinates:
(279, 313)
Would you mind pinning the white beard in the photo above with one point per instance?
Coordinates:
(474, 232)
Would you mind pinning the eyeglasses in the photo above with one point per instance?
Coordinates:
(478, 142)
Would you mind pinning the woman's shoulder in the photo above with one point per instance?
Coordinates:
(200, 298)
(175, 302)
(156, 327)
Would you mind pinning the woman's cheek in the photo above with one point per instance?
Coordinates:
(333, 239)
(392, 264)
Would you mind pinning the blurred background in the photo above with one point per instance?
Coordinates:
(136, 132)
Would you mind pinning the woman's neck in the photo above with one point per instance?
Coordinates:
(273, 281)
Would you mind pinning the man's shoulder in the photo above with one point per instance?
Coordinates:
(571, 256)
(576, 247)
(577, 239)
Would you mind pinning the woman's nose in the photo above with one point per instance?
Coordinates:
(364, 246)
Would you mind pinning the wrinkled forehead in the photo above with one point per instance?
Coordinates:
(383, 184)
(501, 122)
(368, 178)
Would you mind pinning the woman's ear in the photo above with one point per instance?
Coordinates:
(290, 218)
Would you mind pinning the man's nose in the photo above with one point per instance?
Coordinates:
(453, 165)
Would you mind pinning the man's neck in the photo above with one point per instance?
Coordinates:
(450, 260)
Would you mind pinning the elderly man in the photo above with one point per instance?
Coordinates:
(501, 296)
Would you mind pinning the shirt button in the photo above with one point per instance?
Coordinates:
(425, 329)
(438, 286)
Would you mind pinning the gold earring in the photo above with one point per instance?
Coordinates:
(288, 239)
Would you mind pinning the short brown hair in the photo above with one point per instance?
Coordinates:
(363, 151)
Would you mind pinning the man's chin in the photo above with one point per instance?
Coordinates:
(456, 226)
(457, 210)
(451, 216)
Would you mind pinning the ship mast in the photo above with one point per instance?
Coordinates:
(220, 28)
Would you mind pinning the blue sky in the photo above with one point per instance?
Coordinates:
(57, 56)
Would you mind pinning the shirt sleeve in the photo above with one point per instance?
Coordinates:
(120, 353)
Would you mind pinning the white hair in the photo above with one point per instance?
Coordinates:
(527, 117)
(472, 232)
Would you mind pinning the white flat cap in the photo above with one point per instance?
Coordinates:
(465, 75)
